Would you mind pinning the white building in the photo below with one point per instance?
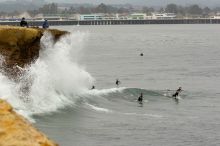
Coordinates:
(92, 17)
(121, 16)
(110, 17)
(163, 16)
(217, 16)
(138, 16)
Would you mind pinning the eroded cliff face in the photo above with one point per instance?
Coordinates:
(20, 46)
(17, 131)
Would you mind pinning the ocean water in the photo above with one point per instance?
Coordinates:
(61, 104)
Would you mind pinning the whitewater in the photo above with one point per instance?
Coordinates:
(55, 79)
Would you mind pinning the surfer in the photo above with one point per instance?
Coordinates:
(177, 92)
(140, 98)
(93, 87)
(117, 82)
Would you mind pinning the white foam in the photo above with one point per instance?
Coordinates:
(178, 97)
(147, 115)
(55, 79)
(104, 91)
(99, 109)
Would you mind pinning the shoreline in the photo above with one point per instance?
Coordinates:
(116, 22)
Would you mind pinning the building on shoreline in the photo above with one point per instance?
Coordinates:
(102, 16)
(216, 16)
(138, 16)
(92, 17)
(163, 15)
(133, 16)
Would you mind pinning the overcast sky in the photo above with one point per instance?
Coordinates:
(142, 2)
(146, 2)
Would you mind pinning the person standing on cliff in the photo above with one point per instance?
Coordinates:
(23, 23)
(45, 24)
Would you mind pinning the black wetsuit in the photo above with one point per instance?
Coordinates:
(177, 93)
(117, 82)
(140, 98)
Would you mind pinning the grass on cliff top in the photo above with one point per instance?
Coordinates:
(14, 36)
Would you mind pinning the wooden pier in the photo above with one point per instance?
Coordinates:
(117, 22)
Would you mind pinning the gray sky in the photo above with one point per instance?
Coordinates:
(142, 2)
(151, 2)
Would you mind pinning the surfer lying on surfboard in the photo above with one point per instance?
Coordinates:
(177, 92)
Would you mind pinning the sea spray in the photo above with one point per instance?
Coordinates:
(8, 88)
(53, 81)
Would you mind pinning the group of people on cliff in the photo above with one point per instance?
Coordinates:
(24, 23)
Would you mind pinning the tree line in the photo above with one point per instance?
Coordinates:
(181, 11)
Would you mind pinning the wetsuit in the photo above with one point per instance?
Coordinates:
(117, 82)
(140, 98)
(177, 93)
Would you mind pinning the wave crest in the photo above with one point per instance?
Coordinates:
(53, 80)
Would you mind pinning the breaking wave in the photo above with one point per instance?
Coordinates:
(57, 80)
(53, 81)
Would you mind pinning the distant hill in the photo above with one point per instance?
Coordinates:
(210, 3)
(23, 5)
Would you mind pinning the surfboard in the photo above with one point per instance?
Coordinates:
(171, 96)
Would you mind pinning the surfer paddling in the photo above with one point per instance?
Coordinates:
(117, 82)
(177, 92)
(93, 87)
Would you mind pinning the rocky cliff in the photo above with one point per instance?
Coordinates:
(20, 46)
(17, 131)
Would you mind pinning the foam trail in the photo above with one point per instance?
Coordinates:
(99, 109)
(105, 91)
(147, 115)
(54, 80)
